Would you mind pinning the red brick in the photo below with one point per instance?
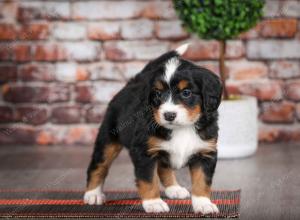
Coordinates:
(17, 134)
(22, 52)
(162, 9)
(137, 29)
(8, 73)
(6, 51)
(69, 31)
(49, 10)
(31, 115)
(49, 52)
(129, 50)
(201, 50)
(59, 93)
(48, 136)
(25, 93)
(83, 93)
(88, 51)
(36, 72)
(279, 28)
(95, 114)
(80, 135)
(6, 114)
(272, 8)
(264, 90)
(234, 49)
(104, 91)
(273, 49)
(104, 31)
(282, 112)
(38, 31)
(107, 71)
(66, 114)
(130, 69)
(290, 8)
(8, 32)
(82, 74)
(67, 135)
(252, 33)
(107, 9)
(170, 30)
(245, 70)
(284, 69)
(298, 111)
(8, 10)
(211, 65)
(280, 133)
(292, 90)
(70, 72)
(101, 91)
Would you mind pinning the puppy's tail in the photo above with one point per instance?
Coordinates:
(182, 49)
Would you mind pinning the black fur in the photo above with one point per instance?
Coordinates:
(129, 118)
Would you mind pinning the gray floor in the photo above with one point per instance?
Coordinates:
(270, 180)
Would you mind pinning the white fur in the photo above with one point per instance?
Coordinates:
(182, 116)
(182, 49)
(155, 205)
(184, 142)
(177, 192)
(170, 68)
(204, 205)
(94, 197)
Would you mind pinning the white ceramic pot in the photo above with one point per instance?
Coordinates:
(238, 127)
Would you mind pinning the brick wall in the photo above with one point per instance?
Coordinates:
(62, 61)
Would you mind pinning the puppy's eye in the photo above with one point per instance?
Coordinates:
(158, 93)
(186, 93)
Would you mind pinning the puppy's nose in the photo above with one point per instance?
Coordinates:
(170, 116)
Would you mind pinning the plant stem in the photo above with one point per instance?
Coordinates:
(222, 68)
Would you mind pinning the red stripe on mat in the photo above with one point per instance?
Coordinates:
(113, 202)
(82, 191)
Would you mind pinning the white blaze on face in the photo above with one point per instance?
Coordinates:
(170, 68)
(182, 115)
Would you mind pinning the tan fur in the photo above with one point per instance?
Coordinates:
(211, 148)
(153, 145)
(199, 186)
(167, 176)
(182, 84)
(156, 115)
(98, 175)
(158, 85)
(149, 190)
(193, 113)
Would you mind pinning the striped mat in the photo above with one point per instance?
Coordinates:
(120, 204)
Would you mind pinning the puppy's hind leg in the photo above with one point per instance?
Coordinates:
(102, 158)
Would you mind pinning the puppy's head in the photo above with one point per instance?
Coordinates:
(181, 92)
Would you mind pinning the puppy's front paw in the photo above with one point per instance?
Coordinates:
(177, 192)
(155, 206)
(203, 205)
(94, 197)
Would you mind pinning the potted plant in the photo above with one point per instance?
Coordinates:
(223, 20)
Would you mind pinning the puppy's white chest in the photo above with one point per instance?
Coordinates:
(184, 142)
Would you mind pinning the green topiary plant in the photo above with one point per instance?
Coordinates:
(220, 20)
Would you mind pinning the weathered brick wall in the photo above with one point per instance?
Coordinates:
(61, 62)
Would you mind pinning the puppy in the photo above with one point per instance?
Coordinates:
(166, 116)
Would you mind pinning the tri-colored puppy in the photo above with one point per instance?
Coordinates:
(166, 116)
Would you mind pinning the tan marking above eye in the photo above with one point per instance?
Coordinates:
(158, 85)
(182, 84)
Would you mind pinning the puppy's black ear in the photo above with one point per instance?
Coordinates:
(211, 90)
